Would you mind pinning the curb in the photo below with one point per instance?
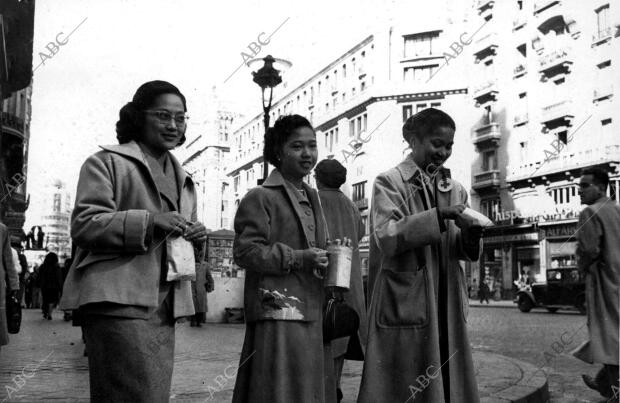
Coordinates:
(532, 386)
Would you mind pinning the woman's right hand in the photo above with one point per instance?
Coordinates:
(171, 222)
(451, 212)
(316, 259)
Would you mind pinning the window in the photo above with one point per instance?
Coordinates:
(56, 207)
(523, 150)
(407, 112)
(359, 191)
(236, 181)
(563, 137)
(613, 190)
(602, 22)
(421, 44)
(363, 86)
(365, 224)
(564, 195)
(604, 65)
(490, 207)
(357, 125)
(606, 122)
(489, 160)
(435, 104)
(331, 138)
(419, 73)
(344, 71)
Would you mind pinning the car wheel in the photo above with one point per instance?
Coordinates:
(525, 304)
(552, 310)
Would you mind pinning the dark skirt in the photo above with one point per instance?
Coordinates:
(283, 362)
(130, 359)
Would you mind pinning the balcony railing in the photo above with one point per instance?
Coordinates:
(486, 46)
(12, 121)
(521, 119)
(602, 36)
(487, 133)
(519, 21)
(562, 110)
(361, 204)
(486, 179)
(603, 92)
(542, 5)
(557, 58)
(485, 91)
(519, 70)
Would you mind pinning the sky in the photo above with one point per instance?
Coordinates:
(91, 56)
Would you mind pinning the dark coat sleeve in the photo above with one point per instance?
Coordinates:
(252, 249)
(588, 239)
(7, 260)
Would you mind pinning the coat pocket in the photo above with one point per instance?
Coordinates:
(402, 300)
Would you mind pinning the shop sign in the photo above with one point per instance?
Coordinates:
(563, 214)
(558, 231)
(511, 238)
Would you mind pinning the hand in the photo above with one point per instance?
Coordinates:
(317, 259)
(171, 222)
(209, 286)
(451, 212)
(195, 232)
(13, 294)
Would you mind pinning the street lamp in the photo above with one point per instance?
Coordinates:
(268, 77)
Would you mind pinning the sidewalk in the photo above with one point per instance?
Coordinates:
(49, 354)
(493, 304)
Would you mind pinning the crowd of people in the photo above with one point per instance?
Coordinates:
(134, 227)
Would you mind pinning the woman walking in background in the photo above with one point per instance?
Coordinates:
(50, 278)
(134, 206)
(280, 239)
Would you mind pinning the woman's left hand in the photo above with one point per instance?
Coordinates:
(195, 232)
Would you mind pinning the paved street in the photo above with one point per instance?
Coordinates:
(50, 353)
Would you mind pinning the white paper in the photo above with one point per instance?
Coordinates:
(478, 218)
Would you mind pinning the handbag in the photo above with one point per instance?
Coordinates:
(13, 313)
(339, 320)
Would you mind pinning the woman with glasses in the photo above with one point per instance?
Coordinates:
(133, 204)
(280, 239)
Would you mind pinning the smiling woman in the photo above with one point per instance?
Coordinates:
(133, 204)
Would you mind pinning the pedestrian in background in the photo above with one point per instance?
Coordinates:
(484, 291)
(598, 254)
(280, 240)
(23, 274)
(134, 204)
(35, 288)
(344, 221)
(418, 346)
(9, 281)
(50, 278)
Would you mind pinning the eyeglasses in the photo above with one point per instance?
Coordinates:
(584, 185)
(165, 116)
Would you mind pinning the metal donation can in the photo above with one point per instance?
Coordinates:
(339, 267)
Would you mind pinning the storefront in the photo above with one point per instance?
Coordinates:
(508, 252)
(558, 242)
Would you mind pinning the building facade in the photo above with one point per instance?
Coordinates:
(15, 135)
(546, 109)
(359, 101)
(55, 219)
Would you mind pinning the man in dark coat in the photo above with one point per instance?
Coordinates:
(599, 257)
(344, 220)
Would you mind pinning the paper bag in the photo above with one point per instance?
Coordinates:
(181, 263)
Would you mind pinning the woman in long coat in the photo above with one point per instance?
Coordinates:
(9, 281)
(280, 241)
(418, 350)
(50, 277)
(344, 221)
(133, 204)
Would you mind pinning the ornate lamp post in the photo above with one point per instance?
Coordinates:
(268, 77)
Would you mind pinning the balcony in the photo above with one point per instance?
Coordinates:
(485, 92)
(603, 92)
(540, 6)
(486, 179)
(361, 204)
(486, 47)
(519, 71)
(485, 8)
(487, 135)
(602, 36)
(519, 21)
(11, 121)
(521, 119)
(557, 114)
(557, 61)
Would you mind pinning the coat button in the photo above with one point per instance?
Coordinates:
(311, 227)
(308, 213)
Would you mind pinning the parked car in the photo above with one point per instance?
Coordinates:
(564, 289)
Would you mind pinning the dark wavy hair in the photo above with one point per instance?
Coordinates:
(277, 135)
(131, 116)
(425, 122)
